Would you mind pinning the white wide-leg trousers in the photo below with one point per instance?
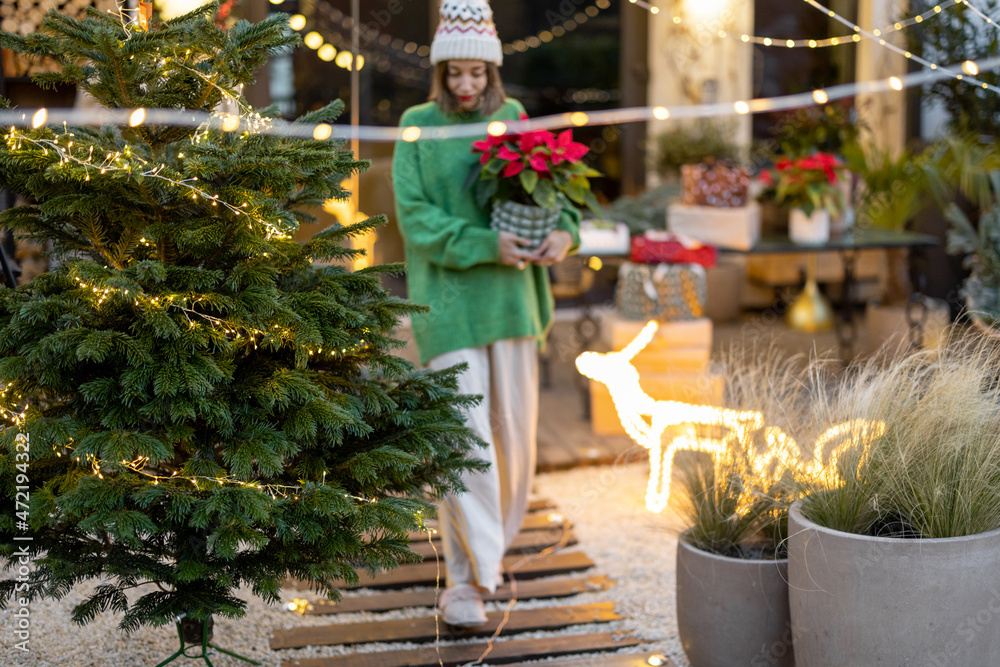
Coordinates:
(477, 526)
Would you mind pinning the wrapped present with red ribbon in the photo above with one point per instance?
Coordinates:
(715, 183)
(658, 247)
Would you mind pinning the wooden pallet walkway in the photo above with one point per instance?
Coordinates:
(538, 590)
(427, 628)
(540, 570)
(512, 651)
(525, 543)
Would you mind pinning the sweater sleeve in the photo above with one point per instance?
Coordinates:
(442, 239)
(569, 220)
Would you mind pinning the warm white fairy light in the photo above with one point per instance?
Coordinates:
(647, 421)
(327, 52)
(39, 118)
(496, 128)
(322, 132)
(313, 40)
(137, 117)
(821, 97)
(579, 118)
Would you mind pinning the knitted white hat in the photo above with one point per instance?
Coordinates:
(466, 32)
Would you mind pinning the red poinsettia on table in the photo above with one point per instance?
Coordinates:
(809, 182)
(538, 167)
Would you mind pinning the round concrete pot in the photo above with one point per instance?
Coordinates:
(732, 611)
(859, 600)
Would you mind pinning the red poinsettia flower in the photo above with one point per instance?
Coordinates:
(507, 154)
(487, 144)
(532, 140)
(513, 168)
(564, 148)
(539, 162)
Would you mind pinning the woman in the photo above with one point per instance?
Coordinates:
(489, 299)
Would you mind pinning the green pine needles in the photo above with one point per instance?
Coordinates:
(206, 410)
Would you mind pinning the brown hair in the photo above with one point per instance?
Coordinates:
(492, 99)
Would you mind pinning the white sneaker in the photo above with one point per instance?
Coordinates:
(462, 606)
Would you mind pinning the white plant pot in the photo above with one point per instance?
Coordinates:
(860, 600)
(809, 229)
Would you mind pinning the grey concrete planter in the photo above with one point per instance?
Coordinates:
(859, 600)
(732, 612)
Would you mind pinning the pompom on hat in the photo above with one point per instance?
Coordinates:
(466, 32)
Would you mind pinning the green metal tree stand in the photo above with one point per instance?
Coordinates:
(206, 636)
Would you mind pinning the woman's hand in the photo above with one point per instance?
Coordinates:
(553, 249)
(511, 250)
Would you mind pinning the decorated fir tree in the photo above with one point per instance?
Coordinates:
(205, 409)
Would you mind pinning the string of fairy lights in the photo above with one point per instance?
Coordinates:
(964, 72)
(418, 54)
(323, 131)
(840, 40)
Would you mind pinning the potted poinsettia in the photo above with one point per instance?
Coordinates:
(810, 186)
(529, 177)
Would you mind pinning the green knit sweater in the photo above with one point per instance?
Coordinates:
(452, 255)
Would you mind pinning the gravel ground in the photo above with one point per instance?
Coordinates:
(630, 545)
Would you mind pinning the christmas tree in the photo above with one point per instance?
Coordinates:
(190, 403)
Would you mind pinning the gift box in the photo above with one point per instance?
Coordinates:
(735, 228)
(603, 237)
(711, 183)
(618, 332)
(664, 292)
(659, 247)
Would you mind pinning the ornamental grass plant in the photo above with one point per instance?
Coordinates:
(736, 504)
(935, 472)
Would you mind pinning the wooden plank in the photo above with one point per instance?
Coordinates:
(539, 504)
(504, 652)
(618, 660)
(547, 588)
(429, 573)
(529, 542)
(544, 520)
(428, 628)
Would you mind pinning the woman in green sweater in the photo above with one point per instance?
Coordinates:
(489, 298)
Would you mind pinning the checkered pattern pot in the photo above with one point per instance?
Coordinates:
(533, 223)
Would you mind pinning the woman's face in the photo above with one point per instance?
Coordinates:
(467, 81)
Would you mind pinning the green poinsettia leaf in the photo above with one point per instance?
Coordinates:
(492, 168)
(545, 194)
(529, 179)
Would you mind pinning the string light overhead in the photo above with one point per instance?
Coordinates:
(951, 71)
(418, 54)
(182, 118)
(840, 40)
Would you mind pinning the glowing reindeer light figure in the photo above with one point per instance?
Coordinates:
(646, 420)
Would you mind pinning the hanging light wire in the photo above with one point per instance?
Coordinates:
(278, 127)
